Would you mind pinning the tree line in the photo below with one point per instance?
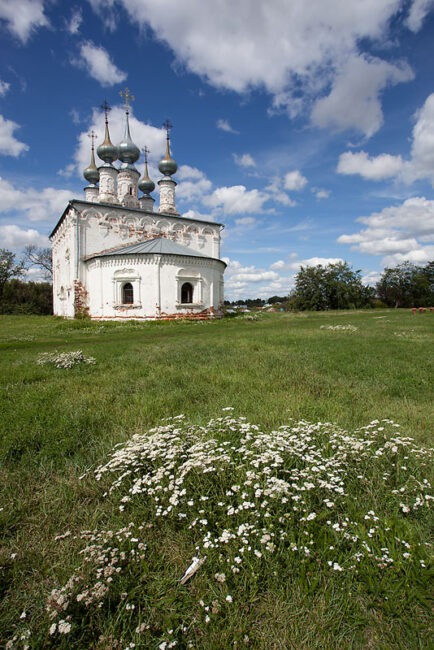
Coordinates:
(338, 286)
(19, 297)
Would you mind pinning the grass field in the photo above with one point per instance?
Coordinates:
(346, 368)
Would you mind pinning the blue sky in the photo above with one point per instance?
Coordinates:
(307, 128)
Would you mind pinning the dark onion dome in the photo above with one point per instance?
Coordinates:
(107, 151)
(128, 151)
(91, 173)
(167, 166)
(146, 185)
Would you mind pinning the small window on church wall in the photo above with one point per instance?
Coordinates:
(187, 293)
(127, 294)
(131, 191)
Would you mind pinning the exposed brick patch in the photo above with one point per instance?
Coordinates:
(81, 309)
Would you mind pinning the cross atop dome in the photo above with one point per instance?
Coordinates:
(128, 97)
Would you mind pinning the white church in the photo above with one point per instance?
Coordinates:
(115, 257)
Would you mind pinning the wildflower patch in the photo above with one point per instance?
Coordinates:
(307, 499)
(64, 359)
(339, 328)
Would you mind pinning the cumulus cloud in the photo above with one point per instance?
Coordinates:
(13, 237)
(193, 183)
(4, 88)
(420, 164)
(9, 145)
(224, 125)
(377, 168)
(45, 204)
(354, 101)
(418, 12)
(246, 221)
(397, 233)
(22, 17)
(236, 199)
(321, 193)
(245, 160)
(295, 264)
(98, 64)
(74, 23)
(294, 181)
(106, 9)
(284, 48)
(253, 282)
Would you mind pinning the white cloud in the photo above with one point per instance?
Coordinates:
(35, 204)
(313, 261)
(419, 166)
(193, 183)
(253, 282)
(246, 221)
(417, 14)
(282, 47)
(4, 88)
(106, 9)
(294, 181)
(9, 145)
(245, 160)
(22, 17)
(224, 125)
(74, 23)
(97, 62)
(236, 199)
(354, 101)
(321, 193)
(13, 237)
(397, 233)
(377, 168)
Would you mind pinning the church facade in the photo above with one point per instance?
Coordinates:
(115, 257)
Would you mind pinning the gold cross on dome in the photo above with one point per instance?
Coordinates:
(146, 151)
(92, 136)
(168, 126)
(106, 107)
(127, 96)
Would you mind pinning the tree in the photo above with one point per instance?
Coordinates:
(40, 257)
(407, 285)
(335, 286)
(9, 268)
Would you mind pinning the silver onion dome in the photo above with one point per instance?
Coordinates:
(128, 151)
(146, 184)
(167, 165)
(91, 172)
(107, 151)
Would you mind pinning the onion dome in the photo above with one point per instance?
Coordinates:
(167, 165)
(91, 173)
(128, 151)
(107, 151)
(146, 185)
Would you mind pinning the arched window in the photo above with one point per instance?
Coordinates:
(127, 294)
(187, 293)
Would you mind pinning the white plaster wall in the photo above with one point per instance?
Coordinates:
(64, 262)
(156, 281)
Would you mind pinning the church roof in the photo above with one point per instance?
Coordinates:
(154, 246)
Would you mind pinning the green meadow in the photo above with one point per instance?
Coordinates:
(345, 563)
